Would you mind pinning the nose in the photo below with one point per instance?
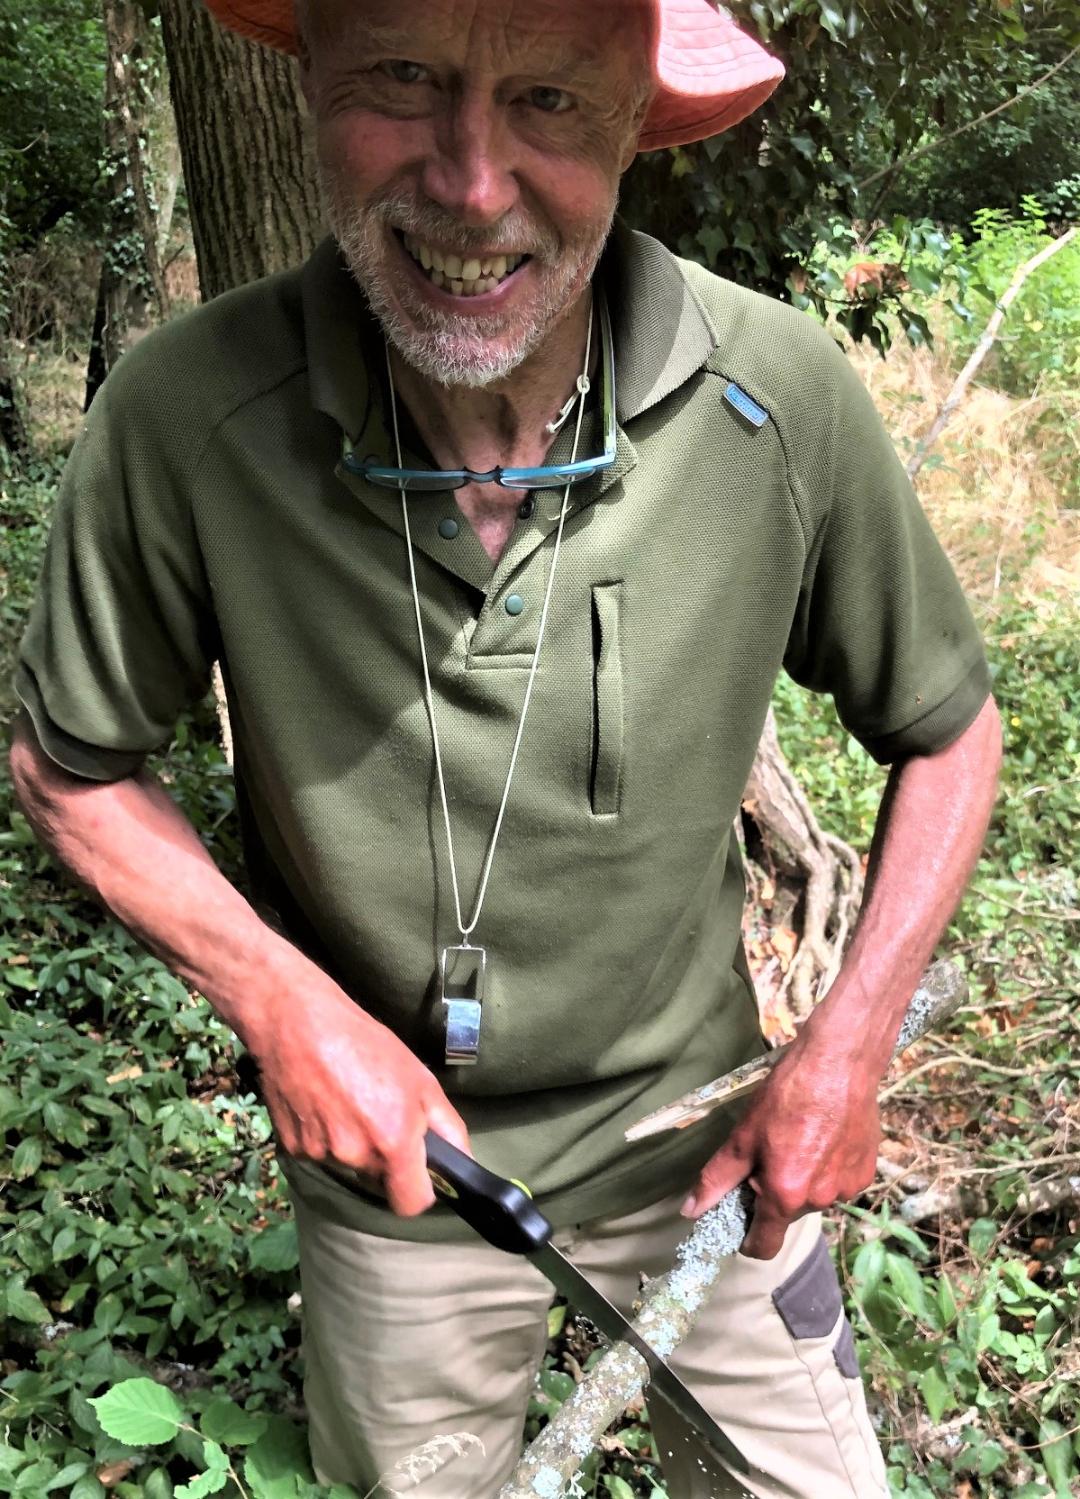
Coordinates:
(471, 171)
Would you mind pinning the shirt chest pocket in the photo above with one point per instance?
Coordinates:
(609, 700)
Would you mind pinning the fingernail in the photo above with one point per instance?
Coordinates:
(689, 1207)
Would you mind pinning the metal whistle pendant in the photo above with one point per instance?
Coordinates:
(463, 969)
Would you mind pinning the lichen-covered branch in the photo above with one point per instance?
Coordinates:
(671, 1302)
(668, 1313)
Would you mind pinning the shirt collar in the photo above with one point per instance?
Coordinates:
(662, 336)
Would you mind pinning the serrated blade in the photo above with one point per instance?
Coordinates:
(585, 1298)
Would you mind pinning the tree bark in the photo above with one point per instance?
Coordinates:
(13, 434)
(131, 291)
(248, 167)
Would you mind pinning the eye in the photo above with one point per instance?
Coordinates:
(552, 101)
(403, 71)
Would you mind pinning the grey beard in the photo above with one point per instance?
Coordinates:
(436, 344)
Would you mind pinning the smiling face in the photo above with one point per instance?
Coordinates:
(470, 154)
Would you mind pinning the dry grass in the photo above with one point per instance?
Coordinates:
(987, 488)
(989, 493)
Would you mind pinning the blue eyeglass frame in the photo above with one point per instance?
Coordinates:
(553, 476)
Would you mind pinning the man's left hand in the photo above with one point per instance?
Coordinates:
(808, 1138)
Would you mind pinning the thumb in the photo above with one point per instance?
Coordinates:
(719, 1176)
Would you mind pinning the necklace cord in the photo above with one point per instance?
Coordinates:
(429, 698)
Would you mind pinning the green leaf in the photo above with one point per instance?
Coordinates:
(277, 1459)
(205, 1483)
(617, 1487)
(215, 1457)
(556, 1320)
(158, 1485)
(1057, 1455)
(26, 1305)
(275, 1248)
(226, 1422)
(140, 1412)
(68, 1475)
(935, 1390)
(26, 1157)
(89, 1487)
(982, 1235)
(908, 1285)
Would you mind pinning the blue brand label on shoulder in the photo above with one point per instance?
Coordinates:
(745, 405)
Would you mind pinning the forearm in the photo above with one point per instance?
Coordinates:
(929, 833)
(130, 844)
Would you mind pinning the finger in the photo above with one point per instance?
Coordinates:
(445, 1120)
(719, 1176)
(765, 1236)
(408, 1186)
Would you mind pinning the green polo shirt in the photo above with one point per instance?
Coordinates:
(205, 514)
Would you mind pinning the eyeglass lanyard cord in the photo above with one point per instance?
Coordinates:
(429, 699)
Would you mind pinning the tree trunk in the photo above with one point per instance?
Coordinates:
(131, 292)
(251, 183)
(14, 437)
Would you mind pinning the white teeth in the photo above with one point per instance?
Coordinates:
(465, 278)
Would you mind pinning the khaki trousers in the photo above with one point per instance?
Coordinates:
(405, 1343)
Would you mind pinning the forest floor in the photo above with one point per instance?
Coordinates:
(142, 1222)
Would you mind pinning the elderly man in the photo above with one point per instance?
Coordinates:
(502, 523)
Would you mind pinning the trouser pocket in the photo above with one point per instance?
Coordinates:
(605, 777)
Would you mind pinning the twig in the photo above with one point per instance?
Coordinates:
(1029, 88)
(982, 348)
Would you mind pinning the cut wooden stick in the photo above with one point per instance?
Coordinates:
(671, 1302)
(940, 994)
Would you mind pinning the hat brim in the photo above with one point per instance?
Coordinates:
(709, 74)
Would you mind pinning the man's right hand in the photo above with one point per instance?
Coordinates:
(341, 1087)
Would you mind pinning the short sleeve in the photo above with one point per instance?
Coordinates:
(121, 634)
(881, 622)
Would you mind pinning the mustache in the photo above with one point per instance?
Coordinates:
(515, 233)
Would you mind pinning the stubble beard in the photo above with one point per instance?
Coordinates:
(458, 351)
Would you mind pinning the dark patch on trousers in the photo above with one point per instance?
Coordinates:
(809, 1300)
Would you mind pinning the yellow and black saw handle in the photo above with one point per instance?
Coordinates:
(499, 1210)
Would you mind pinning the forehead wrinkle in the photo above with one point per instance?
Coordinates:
(523, 41)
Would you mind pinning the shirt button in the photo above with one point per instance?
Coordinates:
(448, 528)
(526, 508)
(515, 604)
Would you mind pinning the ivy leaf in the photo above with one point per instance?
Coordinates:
(275, 1248)
(139, 1412)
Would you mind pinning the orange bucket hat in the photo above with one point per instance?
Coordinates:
(709, 75)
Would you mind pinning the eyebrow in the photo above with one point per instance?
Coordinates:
(401, 42)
